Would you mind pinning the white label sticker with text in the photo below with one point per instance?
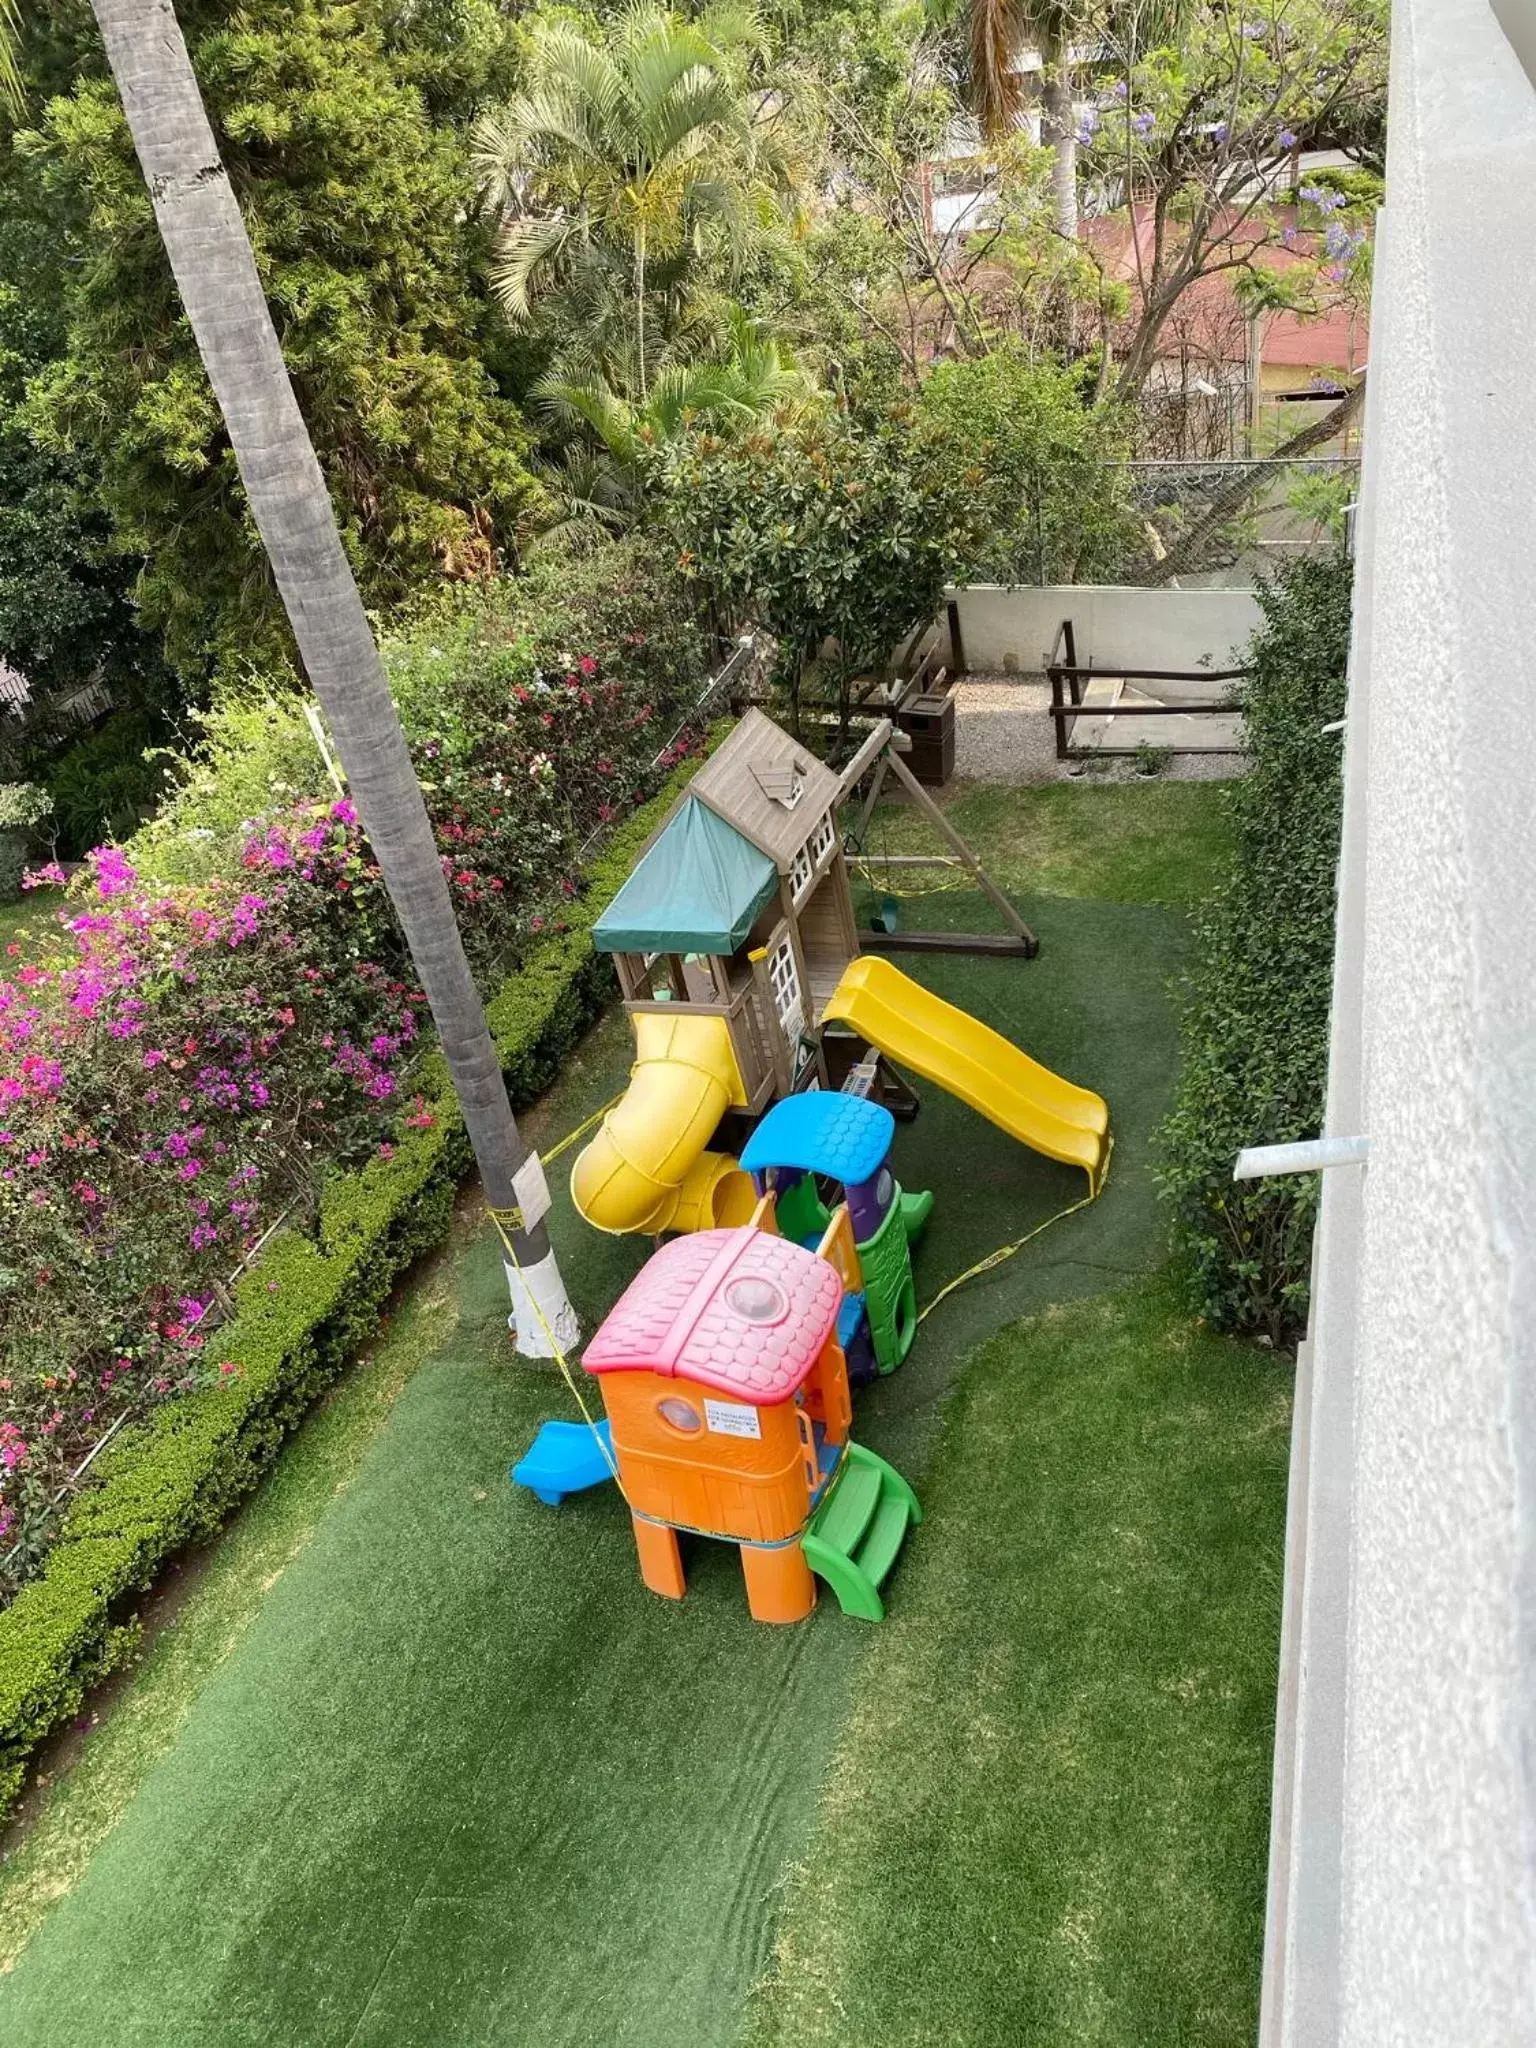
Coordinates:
(532, 1190)
(732, 1418)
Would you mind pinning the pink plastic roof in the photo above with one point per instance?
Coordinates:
(733, 1309)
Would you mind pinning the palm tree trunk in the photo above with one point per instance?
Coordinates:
(210, 256)
(1061, 124)
(640, 304)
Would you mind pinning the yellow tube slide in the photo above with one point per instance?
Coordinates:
(647, 1168)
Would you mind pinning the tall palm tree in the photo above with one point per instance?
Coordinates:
(999, 32)
(642, 144)
(215, 272)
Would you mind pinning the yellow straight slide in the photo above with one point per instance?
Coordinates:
(966, 1058)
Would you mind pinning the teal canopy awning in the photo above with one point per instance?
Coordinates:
(698, 890)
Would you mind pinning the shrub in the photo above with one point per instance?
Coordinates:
(821, 529)
(1032, 472)
(174, 1477)
(107, 782)
(1255, 1025)
(534, 710)
(171, 1080)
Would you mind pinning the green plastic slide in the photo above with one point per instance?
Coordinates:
(856, 1533)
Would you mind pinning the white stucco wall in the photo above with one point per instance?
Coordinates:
(1403, 1900)
(1007, 628)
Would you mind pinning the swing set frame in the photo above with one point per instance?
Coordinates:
(882, 752)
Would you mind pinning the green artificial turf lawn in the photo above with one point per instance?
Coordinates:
(1119, 842)
(1047, 1820)
(433, 1768)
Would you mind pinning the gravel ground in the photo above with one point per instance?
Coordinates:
(1003, 734)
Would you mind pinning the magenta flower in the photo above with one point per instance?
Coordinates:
(114, 876)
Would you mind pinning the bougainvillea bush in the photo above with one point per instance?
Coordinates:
(535, 710)
(176, 1067)
(225, 1011)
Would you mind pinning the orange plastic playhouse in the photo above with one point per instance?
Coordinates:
(728, 1404)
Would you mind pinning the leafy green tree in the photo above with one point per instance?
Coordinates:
(629, 170)
(1032, 470)
(601, 479)
(1202, 132)
(342, 139)
(63, 602)
(821, 529)
(878, 279)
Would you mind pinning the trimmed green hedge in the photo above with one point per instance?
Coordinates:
(299, 1316)
(1255, 1023)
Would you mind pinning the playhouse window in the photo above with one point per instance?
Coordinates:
(756, 1300)
(785, 984)
(680, 1414)
(810, 857)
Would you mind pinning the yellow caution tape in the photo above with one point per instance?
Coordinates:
(560, 1358)
(1005, 1252)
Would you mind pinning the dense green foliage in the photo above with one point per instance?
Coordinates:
(1031, 469)
(63, 604)
(821, 529)
(174, 1478)
(105, 783)
(1256, 1002)
(337, 125)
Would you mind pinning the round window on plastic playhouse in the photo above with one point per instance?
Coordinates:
(681, 1414)
(885, 1187)
(756, 1301)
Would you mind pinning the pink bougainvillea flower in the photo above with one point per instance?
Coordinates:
(114, 876)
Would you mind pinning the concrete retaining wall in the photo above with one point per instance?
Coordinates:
(1012, 629)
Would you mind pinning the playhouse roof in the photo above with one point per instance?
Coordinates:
(768, 786)
(698, 890)
(737, 1310)
(845, 1137)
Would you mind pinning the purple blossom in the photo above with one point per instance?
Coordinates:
(114, 877)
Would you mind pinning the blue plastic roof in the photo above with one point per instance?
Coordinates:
(845, 1137)
(698, 890)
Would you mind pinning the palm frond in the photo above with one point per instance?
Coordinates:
(524, 247)
(12, 91)
(999, 30)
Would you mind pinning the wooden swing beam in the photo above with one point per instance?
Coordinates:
(882, 745)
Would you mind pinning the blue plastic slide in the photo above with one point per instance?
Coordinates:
(565, 1457)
